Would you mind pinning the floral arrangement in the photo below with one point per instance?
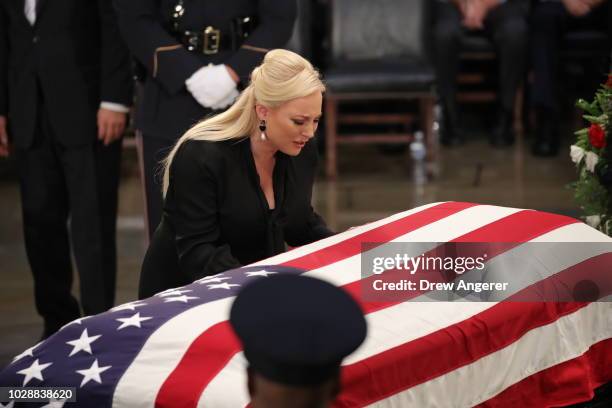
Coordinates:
(592, 154)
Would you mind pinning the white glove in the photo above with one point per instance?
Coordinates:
(227, 101)
(212, 86)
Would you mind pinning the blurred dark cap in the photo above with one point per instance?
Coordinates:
(296, 330)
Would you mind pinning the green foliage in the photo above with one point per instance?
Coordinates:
(590, 108)
(594, 198)
(600, 119)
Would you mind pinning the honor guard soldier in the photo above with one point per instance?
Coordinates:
(194, 56)
(295, 332)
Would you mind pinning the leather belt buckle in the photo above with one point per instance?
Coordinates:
(212, 40)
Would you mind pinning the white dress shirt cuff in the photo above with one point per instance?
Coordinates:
(115, 107)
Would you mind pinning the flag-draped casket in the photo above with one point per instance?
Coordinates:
(176, 349)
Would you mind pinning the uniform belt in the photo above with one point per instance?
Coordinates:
(212, 40)
(207, 41)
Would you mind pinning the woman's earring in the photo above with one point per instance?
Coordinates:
(262, 127)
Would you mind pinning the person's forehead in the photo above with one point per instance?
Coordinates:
(306, 106)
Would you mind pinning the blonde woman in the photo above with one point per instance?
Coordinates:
(238, 185)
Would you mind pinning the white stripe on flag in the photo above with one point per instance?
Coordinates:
(229, 388)
(408, 321)
(468, 385)
(393, 326)
(343, 236)
(539, 349)
(349, 269)
(164, 348)
(163, 351)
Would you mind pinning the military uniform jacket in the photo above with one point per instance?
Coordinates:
(75, 53)
(216, 216)
(166, 109)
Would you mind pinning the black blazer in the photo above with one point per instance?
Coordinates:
(75, 52)
(167, 109)
(216, 216)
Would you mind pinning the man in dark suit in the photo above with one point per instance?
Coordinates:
(65, 85)
(195, 55)
(550, 21)
(505, 22)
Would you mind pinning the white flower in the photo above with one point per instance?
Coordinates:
(593, 220)
(591, 161)
(576, 153)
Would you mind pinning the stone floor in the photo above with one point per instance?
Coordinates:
(372, 183)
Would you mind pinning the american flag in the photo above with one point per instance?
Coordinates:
(176, 349)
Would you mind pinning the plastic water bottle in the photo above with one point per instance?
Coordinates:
(437, 122)
(418, 152)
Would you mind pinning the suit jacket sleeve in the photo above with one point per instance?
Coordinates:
(276, 18)
(3, 62)
(194, 216)
(167, 60)
(116, 83)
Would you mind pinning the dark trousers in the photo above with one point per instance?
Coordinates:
(550, 21)
(506, 25)
(154, 151)
(75, 186)
(108, 174)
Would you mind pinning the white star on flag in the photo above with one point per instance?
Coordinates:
(92, 373)
(33, 371)
(183, 299)
(53, 403)
(223, 285)
(263, 272)
(135, 321)
(28, 352)
(83, 343)
(75, 321)
(173, 292)
(128, 306)
(210, 279)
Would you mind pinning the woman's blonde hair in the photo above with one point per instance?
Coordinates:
(282, 76)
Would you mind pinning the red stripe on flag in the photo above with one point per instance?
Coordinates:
(448, 349)
(587, 280)
(510, 231)
(384, 233)
(568, 383)
(505, 230)
(196, 370)
(186, 383)
(410, 364)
